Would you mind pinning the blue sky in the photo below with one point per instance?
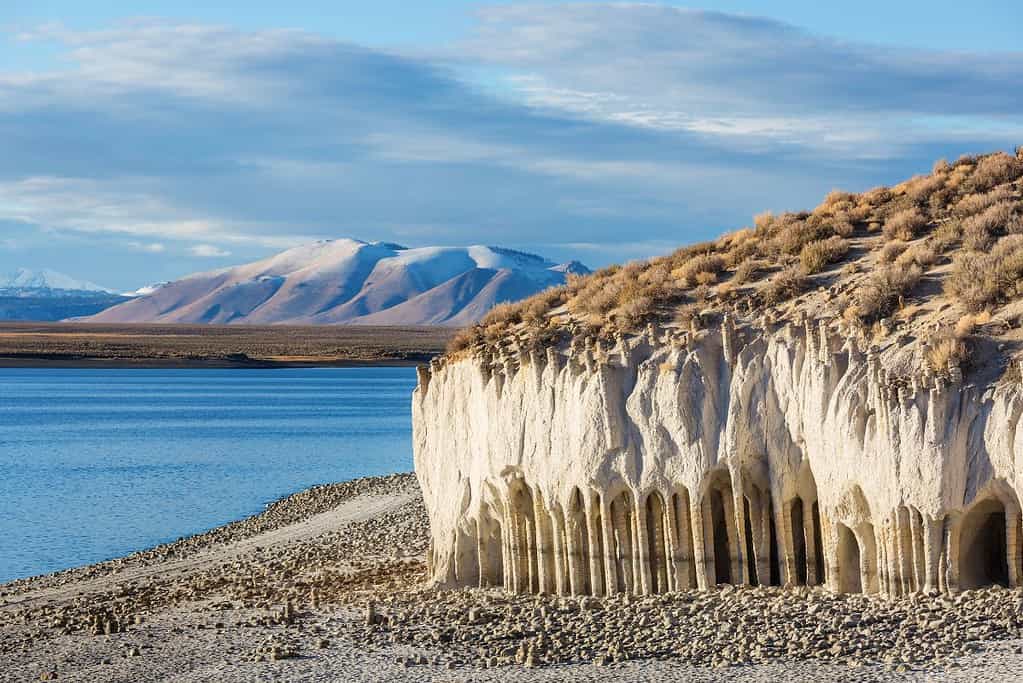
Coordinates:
(147, 140)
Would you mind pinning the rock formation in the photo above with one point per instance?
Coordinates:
(784, 405)
(778, 455)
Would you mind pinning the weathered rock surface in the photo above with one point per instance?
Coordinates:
(768, 454)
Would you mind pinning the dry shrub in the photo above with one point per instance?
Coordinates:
(746, 270)
(505, 314)
(940, 200)
(634, 312)
(980, 230)
(762, 222)
(905, 224)
(536, 307)
(946, 235)
(742, 251)
(941, 166)
(892, 250)
(816, 255)
(921, 254)
(975, 203)
(691, 270)
(994, 169)
(783, 286)
(979, 280)
(969, 322)
(463, 339)
(873, 226)
(944, 351)
(842, 226)
(920, 188)
(876, 196)
(961, 171)
(883, 291)
(793, 232)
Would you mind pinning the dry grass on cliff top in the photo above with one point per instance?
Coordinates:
(914, 259)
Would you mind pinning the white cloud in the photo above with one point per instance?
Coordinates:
(209, 251)
(150, 247)
(662, 124)
(744, 78)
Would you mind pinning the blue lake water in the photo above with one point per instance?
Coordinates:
(97, 463)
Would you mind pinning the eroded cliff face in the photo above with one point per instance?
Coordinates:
(674, 460)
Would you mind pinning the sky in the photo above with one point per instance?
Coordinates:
(143, 141)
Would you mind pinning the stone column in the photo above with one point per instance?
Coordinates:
(932, 554)
(596, 558)
(741, 578)
(700, 560)
(644, 581)
(786, 550)
(919, 564)
(623, 532)
(610, 563)
(810, 540)
(560, 559)
(905, 545)
(482, 536)
(544, 558)
(831, 556)
(736, 553)
(575, 563)
(952, 529)
(1012, 516)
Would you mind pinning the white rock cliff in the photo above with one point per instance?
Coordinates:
(684, 459)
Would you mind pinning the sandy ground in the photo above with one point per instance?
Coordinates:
(282, 597)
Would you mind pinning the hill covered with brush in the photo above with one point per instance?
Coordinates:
(929, 272)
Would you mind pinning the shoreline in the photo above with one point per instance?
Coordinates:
(327, 585)
(87, 345)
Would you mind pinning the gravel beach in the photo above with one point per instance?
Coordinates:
(327, 585)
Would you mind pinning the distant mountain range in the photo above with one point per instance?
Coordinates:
(46, 280)
(349, 281)
(46, 295)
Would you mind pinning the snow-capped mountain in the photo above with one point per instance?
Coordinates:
(350, 281)
(46, 295)
(24, 279)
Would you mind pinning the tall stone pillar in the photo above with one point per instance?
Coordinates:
(810, 536)
(700, 559)
(596, 559)
(932, 551)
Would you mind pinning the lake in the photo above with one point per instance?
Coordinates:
(98, 463)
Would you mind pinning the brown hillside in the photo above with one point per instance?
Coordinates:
(930, 271)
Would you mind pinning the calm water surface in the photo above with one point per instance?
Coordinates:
(98, 463)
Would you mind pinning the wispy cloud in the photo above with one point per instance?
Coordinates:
(149, 247)
(616, 121)
(743, 77)
(209, 251)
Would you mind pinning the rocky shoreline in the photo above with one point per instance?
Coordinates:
(328, 585)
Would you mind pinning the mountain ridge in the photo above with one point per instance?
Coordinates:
(351, 282)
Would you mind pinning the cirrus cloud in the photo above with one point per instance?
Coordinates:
(611, 122)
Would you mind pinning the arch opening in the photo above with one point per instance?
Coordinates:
(818, 543)
(719, 525)
(775, 557)
(982, 550)
(751, 562)
(798, 539)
